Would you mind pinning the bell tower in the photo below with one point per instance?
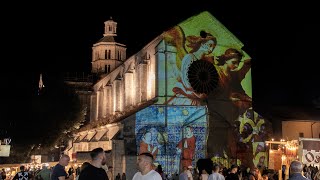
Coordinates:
(107, 53)
(110, 28)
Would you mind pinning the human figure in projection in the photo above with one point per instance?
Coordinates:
(186, 147)
(231, 74)
(146, 144)
(231, 100)
(201, 46)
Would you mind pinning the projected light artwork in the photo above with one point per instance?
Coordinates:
(202, 65)
(175, 135)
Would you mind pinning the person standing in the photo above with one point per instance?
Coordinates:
(59, 172)
(83, 166)
(3, 174)
(216, 175)
(145, 164)
(110, 173)
(70, 171)
(296, 171)
(94, 170)
(233, 173)
(22, 174)
(185, 174)
(123, 177)
(317, 175)
(44, 173)
(118, 177)
(204, 175)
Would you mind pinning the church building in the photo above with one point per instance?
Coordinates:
(186, 95)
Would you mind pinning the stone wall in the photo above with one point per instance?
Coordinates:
(118, 157)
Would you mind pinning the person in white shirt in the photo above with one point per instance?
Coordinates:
(216, 175)
(189, 173)
(186, 174)
(204, 175)
(146, 172)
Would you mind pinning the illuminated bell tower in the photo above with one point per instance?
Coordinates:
(107, 54)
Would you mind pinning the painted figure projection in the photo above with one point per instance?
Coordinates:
(230, 78)
(191, 87)
(149, 143)
(195, 71)
(200, 63)
(175, 135)
(186, 147)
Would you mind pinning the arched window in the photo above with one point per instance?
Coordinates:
(106, 54)
(109, 54)
(106, 69)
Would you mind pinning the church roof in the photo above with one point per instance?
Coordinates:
(107, 39)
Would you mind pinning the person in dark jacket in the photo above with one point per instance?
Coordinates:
(296, 171)
(233, 173)
(94, 170)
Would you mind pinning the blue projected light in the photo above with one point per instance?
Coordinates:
(176, 136)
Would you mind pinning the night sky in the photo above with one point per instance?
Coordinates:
(282, 40)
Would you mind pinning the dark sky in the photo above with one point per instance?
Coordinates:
(282, 40)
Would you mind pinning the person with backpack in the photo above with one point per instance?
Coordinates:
(22, 175)
(44, 174)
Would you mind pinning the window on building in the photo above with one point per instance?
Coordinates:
(109, 68)
(109, 54)
(106, 54)
(301, 134)
(106, 69)
(110, 28)
(97, 56)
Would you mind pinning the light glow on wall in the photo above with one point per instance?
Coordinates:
(160, 131)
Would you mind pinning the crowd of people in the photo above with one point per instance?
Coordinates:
(311, 172)
(94, 170)
(217, 172)
(206, 170)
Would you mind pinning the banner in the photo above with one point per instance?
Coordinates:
(275, 160)
(310, 157)
(4, 150)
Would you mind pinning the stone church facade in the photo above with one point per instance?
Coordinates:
(191, 83)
